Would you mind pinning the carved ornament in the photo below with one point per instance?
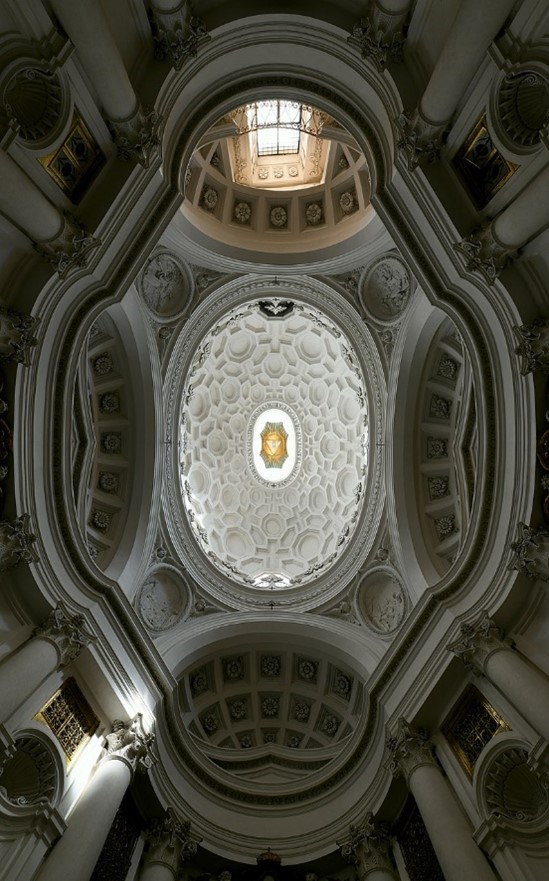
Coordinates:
(477, 641)
(409, 750)
(67, 632)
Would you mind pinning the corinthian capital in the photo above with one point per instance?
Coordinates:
(484, 253)
(169, 842)
(70, 249)
(178, 33)
(16, 543)
(67, 632)
(368, 847)
(531, 552)
(16, 336)
(477, 641)
(409, 749)
(380, 35)
(420, 140)
(130, 742)
(137, 138)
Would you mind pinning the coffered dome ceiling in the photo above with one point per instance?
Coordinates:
(274, 440)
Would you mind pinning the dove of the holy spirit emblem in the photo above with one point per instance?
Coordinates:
(274, 451)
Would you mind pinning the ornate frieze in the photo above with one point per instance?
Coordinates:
(16, 543)
(368, 847)
(129, 741)
(68, 633)
(408, 750)
(419, 140)
(531, 552)
(477, 641)
(137, 139)
(483, 253)
(70, 249)
(17, 336)
(169, 842)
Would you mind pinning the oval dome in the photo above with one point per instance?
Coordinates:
(274, 428)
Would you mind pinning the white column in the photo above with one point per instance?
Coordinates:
(527, 215)
(368, 849)
(57, 642)
(459, 857)
(77, 851)
(88, 30)
(483, 647)
(395, 7)
(135, 132)
(473, 29)
(169, 845)
(22, 202)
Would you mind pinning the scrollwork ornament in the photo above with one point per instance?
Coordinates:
(67, 632)
(379, 36)
(477, 641)
(408, 749)
(130, 741)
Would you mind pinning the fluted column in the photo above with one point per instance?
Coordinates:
(135, 133)
(77, 851)
(483, 647)
(368, 848)
(491, 247)
(169, 845)
(56, 643)
(448, 829)
(473, 29)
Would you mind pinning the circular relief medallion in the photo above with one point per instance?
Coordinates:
(382, 601)
(274, 443)
(386, 288)
(161, 600)
(165, 286)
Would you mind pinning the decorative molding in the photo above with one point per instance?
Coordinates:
(16, 543)
(477, 641)
(483, 253)
(420, 141)
(137, 139)
(70, 249)
(368, 848)
(67, 632)
(130, 742)
(409, 750)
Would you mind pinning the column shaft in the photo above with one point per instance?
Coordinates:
(22, 202)
(458, 855)
(156, 872)
(23, 671)
(525, 686)
(170, 5)
(395, 7)
(77, 851)
(527, 215)
(380, 875)
(475, 26)
(87, 28)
